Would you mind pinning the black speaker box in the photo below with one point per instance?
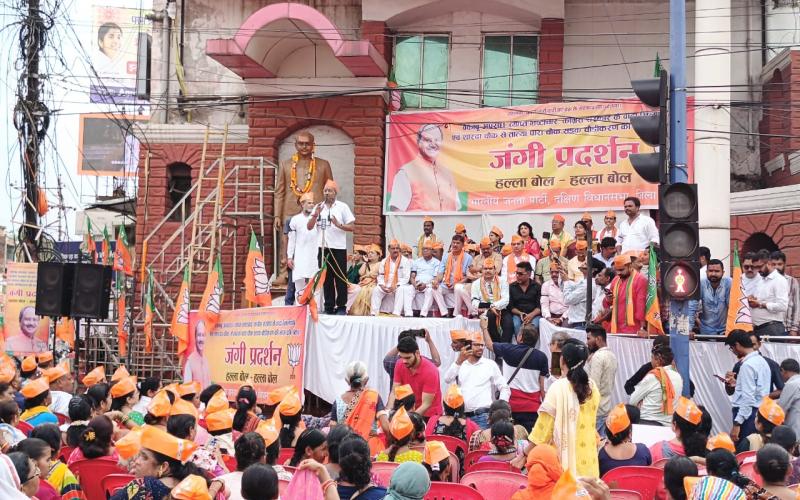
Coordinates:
(54, 288)
(91, 291)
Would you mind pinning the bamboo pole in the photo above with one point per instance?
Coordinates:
(197, 209)
(219, 200)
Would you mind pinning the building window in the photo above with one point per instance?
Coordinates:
(420, 69)
(510, 70)
(179, 183)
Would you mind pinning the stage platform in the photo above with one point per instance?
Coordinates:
(336, 340)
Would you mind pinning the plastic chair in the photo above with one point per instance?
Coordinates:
(450, 442)
(455, 467)
(501, 466)
(65, 452)
(62, 419)
(660, 464)
(748, 469)
(289, 468)
(90, 474)
(282, 485)
(495, 484)
(645, 480)
(284, 455)
(230, 462)
(383, 471)
(24, 427)
(744, 456)
(472, 458)
(625, 495)
(453, 491)
(112, 482)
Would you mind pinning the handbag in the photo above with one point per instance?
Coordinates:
(516, 370)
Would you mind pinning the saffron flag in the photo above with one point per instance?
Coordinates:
(149, 312)
(179, 328)
(122, 256)
(65, 330)
(653, 310)
(122, 331)
(307, 297)
(106, 247)
(89, 244)
(739, 317)
(211, 302)
(256, 280)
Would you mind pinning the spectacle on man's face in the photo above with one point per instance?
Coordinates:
(750, 267)
(522, 274)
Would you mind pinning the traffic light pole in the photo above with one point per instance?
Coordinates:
(681, 312)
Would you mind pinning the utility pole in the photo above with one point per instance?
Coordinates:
(31, 119)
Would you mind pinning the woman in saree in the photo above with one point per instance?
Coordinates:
(361, 408)
(359, 297)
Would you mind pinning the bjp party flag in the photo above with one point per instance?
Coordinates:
(739, 316)
(256, 279)
(179, 328)
(653, 310)
(211, 302)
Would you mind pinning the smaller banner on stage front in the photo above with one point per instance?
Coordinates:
(263, 347)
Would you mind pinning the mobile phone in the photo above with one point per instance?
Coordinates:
(419, 333)
(546, 235)
(721, 378)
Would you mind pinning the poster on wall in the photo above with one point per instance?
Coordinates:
(263, 347)
(107, 145)
(113, 51)
(558, 157)
(25, 332)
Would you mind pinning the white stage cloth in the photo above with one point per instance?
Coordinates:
(336, 340)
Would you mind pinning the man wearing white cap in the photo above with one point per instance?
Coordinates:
(301, 250)
(394, 273)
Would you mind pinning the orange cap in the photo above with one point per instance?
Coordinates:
(290, 404)
(8, 370)
(375, 248)
(453, 398)
(461, 228)
(515, 238)
(44, 357)
(120, 373)
(160, 441)
(29, 363)
(553, 265)
(123, 387)
(611, 214)
(331, 184)
(159, 406)
(192, 387)
(220, 420)
(620, 261)
(269, 430)
(277, 394)
(183, 407)
(496, 230)
(427, 218)
(476, 337)
(722, 440)
(586, 216)
(617, 419)
(581, 245)
(770, 410)
(688, 411)
(129, 445)
(438, 245)
(309, 196)
(555, 244)
(57, 372)
(558, 217)
(193, 487)
(95, 376)
(485, 242)
(428, 244)
(218, 402)
(173, 388)
(401, 425)
(35, 387)
(405, 247)
(489, 263)
(506, 250)
(455, 335)
(435, 452)
(404, 391)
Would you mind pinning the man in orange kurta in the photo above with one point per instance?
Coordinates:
(618, 296)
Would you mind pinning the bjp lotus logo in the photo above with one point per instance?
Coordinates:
(295, 351)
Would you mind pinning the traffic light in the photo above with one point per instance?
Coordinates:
(652, 128)
(679, 234)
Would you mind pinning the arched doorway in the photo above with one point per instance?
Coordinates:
(758, 241)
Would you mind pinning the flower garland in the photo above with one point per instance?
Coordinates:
(309, 176)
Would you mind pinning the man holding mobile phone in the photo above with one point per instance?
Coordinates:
(490, 297)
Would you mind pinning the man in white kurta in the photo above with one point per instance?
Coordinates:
(423, 272)
(301, 250)
(394, 273)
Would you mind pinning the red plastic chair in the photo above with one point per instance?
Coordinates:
(501, 466)
(24, 427)
(645, 480)
(230, 462)
(65, 452)
(748, 469)
(284, 455)
(455, 467)
(289, 469)
(472, 458)
(453, 491)
(450, 442)
(282, 485)
(62, 419)
(744, 456)
(90, 474)
(383, 471)
(660, 464)
(625, 495)
(495, 484)
(112, 482)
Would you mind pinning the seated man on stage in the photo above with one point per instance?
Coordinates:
(423, 272)
(518, 255)
(394, 274)
(490, 297)
(452, 270)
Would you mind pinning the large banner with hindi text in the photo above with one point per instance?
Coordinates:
(25, 332)
(263, 347)
(557, 157)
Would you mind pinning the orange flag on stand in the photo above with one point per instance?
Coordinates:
(210, 304)
(739, 316)
(256, 279)
(122, 256)
(122, 333)
(149, 312)
(179, 328)
(65, 330)
(310, 290)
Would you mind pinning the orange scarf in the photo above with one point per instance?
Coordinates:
(628, 302)
(495, 290)
(386, 269)
(544, 470)
(458, 273)
(362, 416)
(512, 265)
(667, 390)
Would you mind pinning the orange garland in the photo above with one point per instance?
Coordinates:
(309, 176)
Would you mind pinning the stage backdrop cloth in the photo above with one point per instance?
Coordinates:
(336, 340)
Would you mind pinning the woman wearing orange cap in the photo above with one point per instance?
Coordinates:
(690, 433)
(359, 297)
(532, 247)
(571, 250)
(182, 423)
(290, 413)
(454, 422)
(436, 460)
(37, 400)
(400, 436)
(124, 395)
(158, 409)
(620, 449)
(769, 416)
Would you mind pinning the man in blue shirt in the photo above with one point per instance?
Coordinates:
(715, 291)
(423, 272)
(751, 385)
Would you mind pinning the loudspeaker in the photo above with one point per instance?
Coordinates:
(91, 291)
(53, 288)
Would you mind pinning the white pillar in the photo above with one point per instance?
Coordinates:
(712, 80)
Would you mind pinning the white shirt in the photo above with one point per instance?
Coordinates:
(477, 382)
(597, 303)
(60, 402)
(302, 247)
(751, 285)
(575, 299)
(552, 299)
(774, 292)
(425, 269)
(648, 392)
(141, 406)
(511, 278)
(637, 235)
(403, 275)
(608, 262)
(330, 235)
(477, 296)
